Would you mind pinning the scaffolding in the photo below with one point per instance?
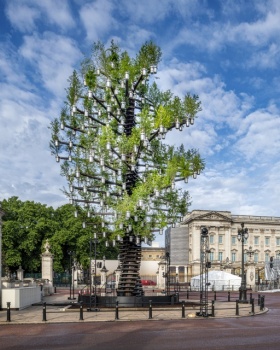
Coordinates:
(272, 273)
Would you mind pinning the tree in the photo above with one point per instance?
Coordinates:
(109, 141)
(25, 226)
(70, 236)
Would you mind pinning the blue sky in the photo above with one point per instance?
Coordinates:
(227, 52)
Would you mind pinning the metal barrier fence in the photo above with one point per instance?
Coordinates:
(237, 309)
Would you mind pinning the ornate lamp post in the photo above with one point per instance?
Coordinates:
(71, 274)
(167, 274)
(242, 236)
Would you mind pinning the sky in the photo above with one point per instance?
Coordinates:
(227, 52)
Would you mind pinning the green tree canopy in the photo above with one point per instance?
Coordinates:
(26, 227)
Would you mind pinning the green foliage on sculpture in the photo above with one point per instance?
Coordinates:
(109, 140)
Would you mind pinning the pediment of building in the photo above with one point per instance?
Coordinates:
(210, 216)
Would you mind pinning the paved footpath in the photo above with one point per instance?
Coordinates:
(59, 310)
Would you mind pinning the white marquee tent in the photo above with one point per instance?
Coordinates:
(219, 280)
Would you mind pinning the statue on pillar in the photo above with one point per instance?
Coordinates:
(47, 263)
(251, 269)
(47, 246)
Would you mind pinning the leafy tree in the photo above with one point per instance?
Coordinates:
(71, 236)
(26, 227)
(109, 141)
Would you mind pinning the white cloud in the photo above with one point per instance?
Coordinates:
(27, 15)
(146, 11)
(267, 58)
(149, 12)
(261, 33)
(53, 58)
(260, 135)
(234, 190)
(27, 168)
(97, 19)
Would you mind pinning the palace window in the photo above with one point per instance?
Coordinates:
(211, 256)
(220, 256)
(266, 240)
(233, 240)
(211, 239)
(256, 257)
(256, 240)
(266, 257)
(277, 240)
(220, 239)
(233, 256)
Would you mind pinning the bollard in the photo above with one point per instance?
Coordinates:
(262, 302)
(44, 312)
(228, 296)
(213, 308)
(259, 299)
(251, 296)
(117, 311)
(150, 310)
(8, 312)
(183, 309)
(253, 305)
(236, 308)
(215, 296)
(187, 294)
(54, 289)
(81, 311)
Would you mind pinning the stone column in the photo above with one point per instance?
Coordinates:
(118, 273)
(75, 276)
(251, 275)
(103, 273)
(47, 264)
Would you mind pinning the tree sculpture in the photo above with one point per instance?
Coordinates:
(109, 139)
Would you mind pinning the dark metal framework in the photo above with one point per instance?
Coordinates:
(71, 275)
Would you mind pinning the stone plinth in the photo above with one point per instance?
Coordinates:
(47, 264)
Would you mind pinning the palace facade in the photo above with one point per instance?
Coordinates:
(183, 243)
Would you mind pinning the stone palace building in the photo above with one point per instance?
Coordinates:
(183, 243)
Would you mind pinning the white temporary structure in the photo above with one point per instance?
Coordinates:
(218, 280)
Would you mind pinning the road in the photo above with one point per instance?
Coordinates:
(256, 332)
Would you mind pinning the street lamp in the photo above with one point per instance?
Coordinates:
(242, 236)
(71, 274)
(104, 271)
(167, 275)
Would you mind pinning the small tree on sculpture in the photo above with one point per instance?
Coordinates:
(109, 139)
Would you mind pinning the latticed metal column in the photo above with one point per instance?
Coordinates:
(130, 258)
(204, 265)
